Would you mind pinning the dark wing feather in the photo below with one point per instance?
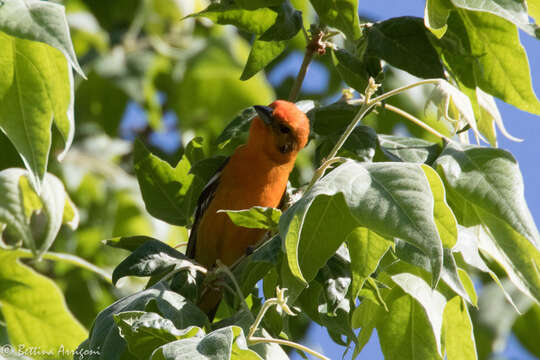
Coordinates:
(204, 201)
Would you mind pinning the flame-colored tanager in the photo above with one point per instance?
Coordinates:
(255, 175)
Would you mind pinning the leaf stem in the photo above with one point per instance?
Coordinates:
(402, 89)
(417, 121)
(68, 258)
(254, 339)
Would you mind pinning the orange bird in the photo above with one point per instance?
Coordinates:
(255, 175)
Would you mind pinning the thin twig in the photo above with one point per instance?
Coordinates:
(314, 46)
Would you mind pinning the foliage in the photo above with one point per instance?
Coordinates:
(425, 237)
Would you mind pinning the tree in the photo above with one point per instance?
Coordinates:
(424, 237)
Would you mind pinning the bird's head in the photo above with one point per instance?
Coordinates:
(281, 129)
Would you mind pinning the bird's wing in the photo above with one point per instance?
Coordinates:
(204, 201)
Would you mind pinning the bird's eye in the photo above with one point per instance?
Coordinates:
(284, 129)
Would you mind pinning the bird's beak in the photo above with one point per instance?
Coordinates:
(265, 113)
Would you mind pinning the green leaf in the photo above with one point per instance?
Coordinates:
(34, 309)
(513, 11)
(500, 67)
(432, 301)
(365, 316)
(257, 217)
(36, 88)
(392, 199)
(146, 331)
(354, 71)
(444, 216)
(332, 118)
(170, 194)
(366, 249)
(39, 21)
(405, 331)
(458, 334)
(287, 25)
(151, 258)
(436, 15)
(130, 243)
(256, 265)
(449, 274)
(341, 14)
(526, 327)
(105, 335)
(31, 218)
(468, 246)
(236, 128)
(262, 53)
(256, 21)
(211, 89)
(225, 343)
(360, 145)
(407, 149)
(404, 43)
(489, 182)
(255, 4)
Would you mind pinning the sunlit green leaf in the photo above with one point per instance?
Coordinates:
(39, 21)
(36, 88)
(341, 14)
(458, 334)
(34, 310)
(501, 67)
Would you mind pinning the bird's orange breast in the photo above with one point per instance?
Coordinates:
(248, 180)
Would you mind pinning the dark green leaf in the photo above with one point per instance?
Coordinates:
(404, 43)
(327, 120)
(360, 145)
(151, 258)
(169, 193)
(354, 71)
(130, 243)
(287, 25)
(255, 4)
